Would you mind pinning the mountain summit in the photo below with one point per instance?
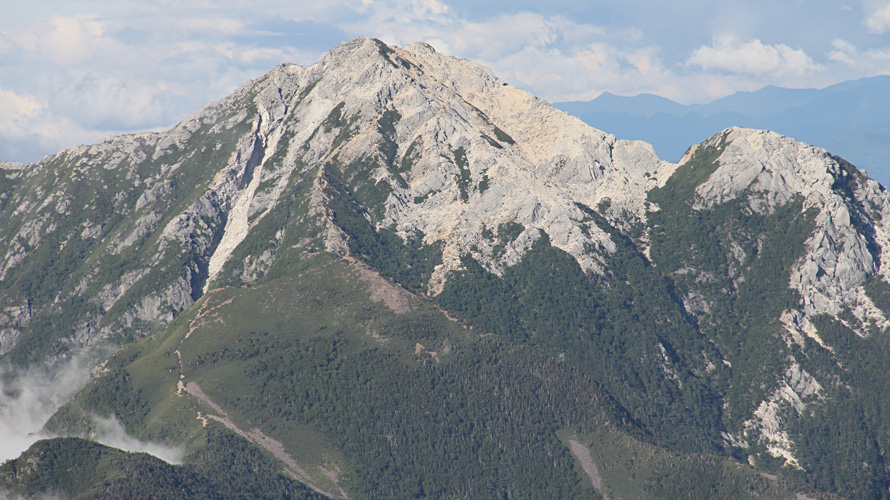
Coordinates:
(427, 144)
(392, 274)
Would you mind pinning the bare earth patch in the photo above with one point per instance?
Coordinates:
(259, 438)
(398, 300)
(255, 435)
(583, 454)
(198, 321)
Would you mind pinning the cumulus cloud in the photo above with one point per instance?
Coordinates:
(76, 79)
(879, 20)
(29, 130)
(503, 35)
(15, 107)
(860, 63)
(753, 58)
(65, 41)
(141, 66)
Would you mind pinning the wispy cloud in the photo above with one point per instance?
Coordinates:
(859, 63)
(110, 432)
(29, 399)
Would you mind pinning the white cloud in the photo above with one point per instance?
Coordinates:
(860, 63)
(140, 65)
(879, 21)
(210, 26)
(110, 432)
(65, 41)
(504, 35)
(597, 57)
(646, 62)
(752, 58)
(428, 7)
(29, 130)
(263, 56)
(585, 72)
(14, 107)
(844, 52)
(74, 79)
(31, 398)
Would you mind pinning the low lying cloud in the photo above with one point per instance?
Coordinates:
(110, 432)
(29, 399)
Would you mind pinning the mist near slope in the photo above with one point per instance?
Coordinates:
(110, 432)
(29, 399)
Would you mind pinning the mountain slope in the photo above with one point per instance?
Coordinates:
(78, 469)
(775, 245)
(165, 212)
(380, 394)
(392, 274)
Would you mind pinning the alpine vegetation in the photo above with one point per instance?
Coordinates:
(392, 274)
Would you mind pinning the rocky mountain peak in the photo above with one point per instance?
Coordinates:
(840, 265)
(428, 146)
(460, 152)
(696, 295)
(769, 170)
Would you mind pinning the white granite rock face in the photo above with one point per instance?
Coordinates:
(769, 170)
(527, 162)
(473, 153)
(795, 391)
(445, 105)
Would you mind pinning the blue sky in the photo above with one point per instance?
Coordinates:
(74, 71)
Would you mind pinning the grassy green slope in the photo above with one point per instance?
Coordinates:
(77, 469)
(370, 398)
(632, 469)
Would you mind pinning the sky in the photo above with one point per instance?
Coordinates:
(76, 71)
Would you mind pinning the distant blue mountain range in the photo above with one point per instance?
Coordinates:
(850, 119)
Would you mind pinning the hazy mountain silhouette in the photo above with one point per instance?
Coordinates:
(850, 119)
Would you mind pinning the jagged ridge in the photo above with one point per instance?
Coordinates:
(422, 165)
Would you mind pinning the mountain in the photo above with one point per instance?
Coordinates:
(391, 274)
(76, 468)
(849, 118)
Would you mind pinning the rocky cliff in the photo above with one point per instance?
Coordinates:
(718, 305)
